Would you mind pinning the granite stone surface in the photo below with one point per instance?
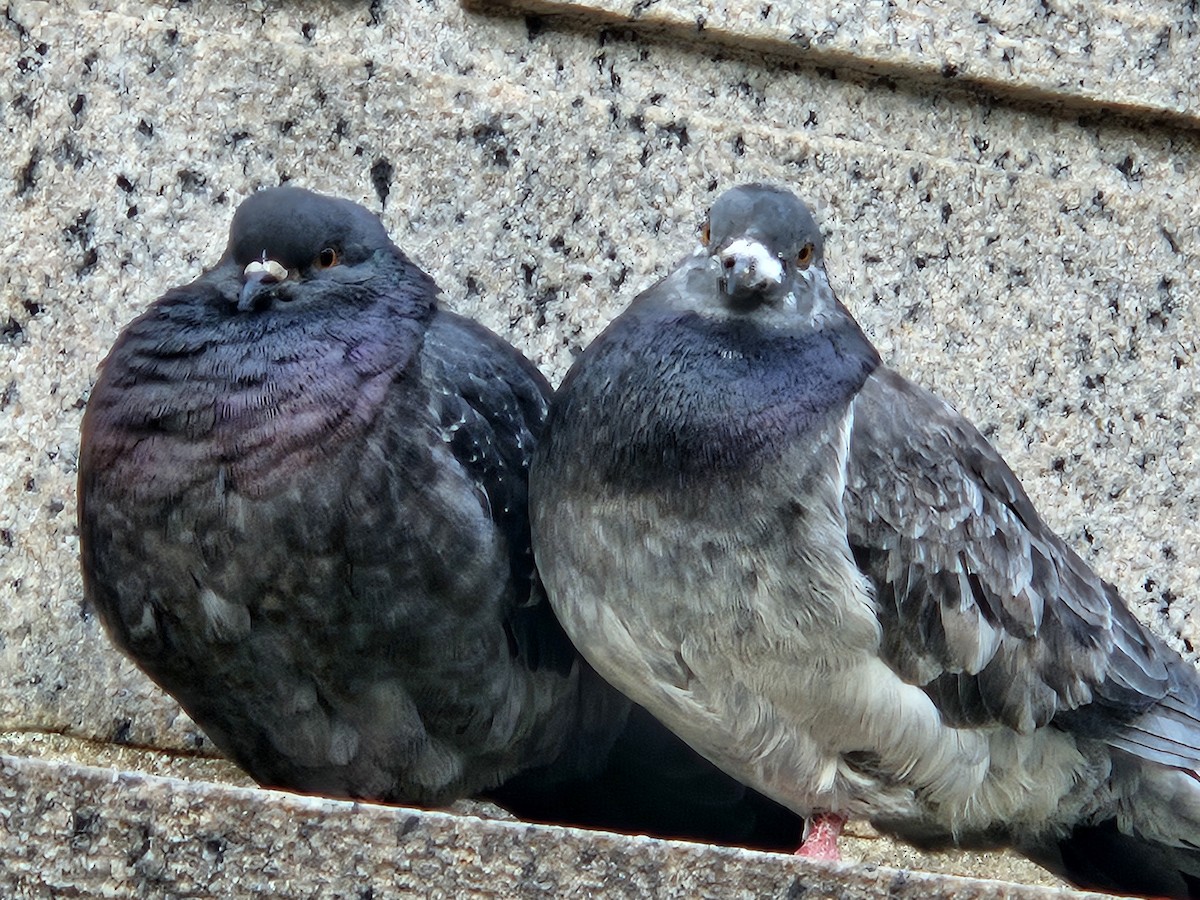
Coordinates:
(860, 844)
(1140, 58)
(131, 835)
(1036, 264)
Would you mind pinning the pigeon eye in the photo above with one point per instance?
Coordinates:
(327, 258)
(805, 256)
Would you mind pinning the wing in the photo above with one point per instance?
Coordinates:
(491, 404)
(983, 605)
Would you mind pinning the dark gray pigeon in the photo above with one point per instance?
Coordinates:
(303, 512)
(828, 582)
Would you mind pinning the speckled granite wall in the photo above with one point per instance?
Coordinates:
(1140, 57)
(1037, 264)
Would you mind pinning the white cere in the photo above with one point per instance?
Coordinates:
(272, 268)
(765, 265)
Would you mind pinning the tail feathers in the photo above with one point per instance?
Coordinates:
(1168, 733)
(1147, 842)
(1156, 748)
(1102, 857)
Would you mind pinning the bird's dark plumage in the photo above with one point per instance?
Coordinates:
(303, 511)
(829, 583)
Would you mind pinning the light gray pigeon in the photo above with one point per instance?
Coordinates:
(828, 582)
(303, 512)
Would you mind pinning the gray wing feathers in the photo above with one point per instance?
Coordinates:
(1166, 733)
(982, 604)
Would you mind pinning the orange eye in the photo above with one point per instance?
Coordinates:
(327, 258)
(805, 257)
(705, 233)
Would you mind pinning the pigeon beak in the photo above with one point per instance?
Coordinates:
(258, 276)
(738, 270)
(748, 267)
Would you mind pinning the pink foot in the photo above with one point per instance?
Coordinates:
(820, 837)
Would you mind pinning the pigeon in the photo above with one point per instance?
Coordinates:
(303, 512)
(830, 584)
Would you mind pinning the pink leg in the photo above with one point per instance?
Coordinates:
(820, 837)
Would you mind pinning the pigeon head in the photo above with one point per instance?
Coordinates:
(286, 237)
(767, 249)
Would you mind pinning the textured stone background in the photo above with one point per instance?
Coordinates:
(1008, 191)
(219, 841)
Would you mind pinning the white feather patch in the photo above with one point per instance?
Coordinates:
(224, 621)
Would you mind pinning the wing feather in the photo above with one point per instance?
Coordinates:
(983, 605)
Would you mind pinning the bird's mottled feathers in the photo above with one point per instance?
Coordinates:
(980, 602)
(490, 415)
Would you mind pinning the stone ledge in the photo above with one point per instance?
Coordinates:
(1136, 59)
(90, 832)
(860, 844)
